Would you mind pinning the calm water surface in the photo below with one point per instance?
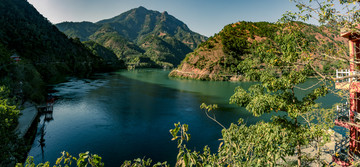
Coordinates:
(128, 114)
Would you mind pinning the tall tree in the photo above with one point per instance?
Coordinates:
(289, 57)
(341, 16)
(293, 60)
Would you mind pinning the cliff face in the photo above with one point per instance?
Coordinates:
(204, 63)
(226, 55)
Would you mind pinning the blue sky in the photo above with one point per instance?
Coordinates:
(206, 17)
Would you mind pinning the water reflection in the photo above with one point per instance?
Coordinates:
(46, 118)
(42, 140)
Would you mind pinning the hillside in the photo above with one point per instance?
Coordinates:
(139, 34)
(233, 50)
(80, 30)
(46, 53)
(106, 55)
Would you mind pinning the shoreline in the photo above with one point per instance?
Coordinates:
(206, 76)
(176, 73)
(26, 118)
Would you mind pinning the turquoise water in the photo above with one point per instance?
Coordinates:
(128, 114)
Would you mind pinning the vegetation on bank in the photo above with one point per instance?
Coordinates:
(22, 79)
(12, 147)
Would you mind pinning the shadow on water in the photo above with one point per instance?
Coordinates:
(128, 115)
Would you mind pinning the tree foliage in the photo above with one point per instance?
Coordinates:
(66, 160)
(339, 16)
(290, 59)
(263, 144)
(11, 146)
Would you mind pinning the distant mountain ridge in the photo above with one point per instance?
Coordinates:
(139, 27)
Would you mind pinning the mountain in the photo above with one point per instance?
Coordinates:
(111, 39)
(165, 50)
(138, 23)
(46, 53)
(80, 30)
(226, 55)
(105, 55)
(139, 33)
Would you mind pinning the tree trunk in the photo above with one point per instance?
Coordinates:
(296, 126)
(318, 153)
(299, 153)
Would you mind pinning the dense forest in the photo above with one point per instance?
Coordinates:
(46, 53)
(140, 37)
(233, 51)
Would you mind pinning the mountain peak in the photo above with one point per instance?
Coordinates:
(141, 8)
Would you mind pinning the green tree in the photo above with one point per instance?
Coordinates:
(293, 59)
(336, 16)
(319, 122)
(276, 91)
(263, 144)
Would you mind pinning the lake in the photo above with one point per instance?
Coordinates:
(128, 114)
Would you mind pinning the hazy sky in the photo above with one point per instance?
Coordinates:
(203, 16)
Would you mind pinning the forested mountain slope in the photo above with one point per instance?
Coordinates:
(235, 49)
(46, 53)
(139, 34)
